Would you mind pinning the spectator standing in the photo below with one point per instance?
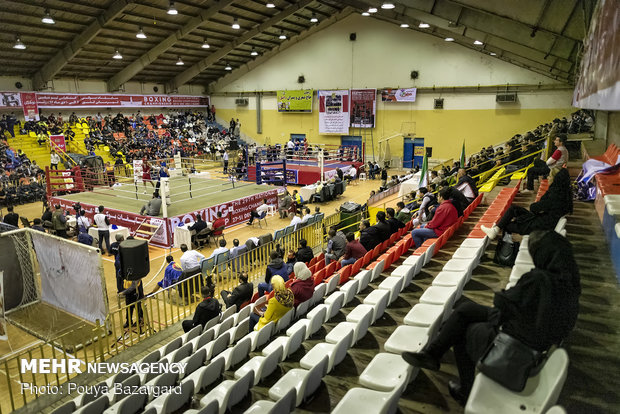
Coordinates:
(103, 228)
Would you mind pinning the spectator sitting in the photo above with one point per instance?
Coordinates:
(190, 260)
(172, 274)
(240, 294)
(402, 213)
(219, 250)
(304, 253)
(275, 267)
(277, 306)
(395, 224)
(303, 285)
(466, 185)
(234, 252)
(218, 225)
(284, 205)
(36, 225)
(197, 227)
(83, 237)
(258, 211)
(382, 226)
(352, 251)
(206, 310)
(335, 246)
(307, 216)
(291, 259)
(296, 219)
(369, 235)
(153, 207)
(445, 216)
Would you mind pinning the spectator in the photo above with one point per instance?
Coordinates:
(335, 246)
(303, 285)
(256, 213)
(382, 226)
(395, 224)
(36, 225)
(103, 229)
(206, 310)
(59, 223)
(284, 205)
(466, 185)
(190, 260)
(82, 222)
(240, 294)
(291, 259)
(553, 165)
(54, 160)
(445, 216)
(12, 218)
(197, 227)
(84, 238)
(218, 225)
(307, 216)
(277, 267)
(353, 250)
(540, 311)
(369, 235)
(296, 219)
(219, 250)
(172, 274)
(402, 213)
(277, 306)
(304, 253)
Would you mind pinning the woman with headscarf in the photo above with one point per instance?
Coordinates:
(543, 214)
(303, 285)
(540, 311)
(277, 306)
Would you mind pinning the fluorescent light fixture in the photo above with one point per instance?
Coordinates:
(117, 55)
(424, 25)
(19, 44)
(449, 39)
(404, 25)
(372, 10)
(365, 14)
(314, 19)
(171, 9)
(228, 67)
(205, 45)
(270, 5)
(282, 35)
(47, 17)
(478, 42)
(254, 52)
(235, 24)
(180, 62)
(493, 54)
(387, 5)
(141, 34)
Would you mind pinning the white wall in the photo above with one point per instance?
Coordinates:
(382, 56)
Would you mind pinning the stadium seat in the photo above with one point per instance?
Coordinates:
(376, 267)
(203, 339)
(234, 355)
(289, 343)
(364, 279)
(229, 393)
(350, 290)
(344, 274)
(261, 337)
(193, 333)
(319, 292)
(206, 375)
(393, 285)
(378, 299)
(225, 325)
(386, 371)
(319, 276)
(406, 271)
(216, 346)
(332, 283)
(96, 406)
(313, 321)
(231, 310)
(131, 404)
(426, 316)
(302, 309)
(286, 404)
(305, 382)
(243, 313)
(362, 400)
(172, 402)
(193, 363)
(335, 351)
(334, 302)
(261, 365)
(284, 321)
(360, 328)
(407, 339)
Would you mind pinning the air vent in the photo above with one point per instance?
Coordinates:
(509, 97)
(438, 103)
(242, 101)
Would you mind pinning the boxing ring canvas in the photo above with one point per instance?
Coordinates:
(306, 172)
(188, 196)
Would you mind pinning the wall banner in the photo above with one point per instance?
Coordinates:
(363, 108)
(334, 112)
(29, 104)
(59, 142)
(295, 101)
(398, 95)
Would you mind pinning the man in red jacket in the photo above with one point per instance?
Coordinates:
(445, 216)
(353, 250)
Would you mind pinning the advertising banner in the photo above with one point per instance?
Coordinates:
(29, 105)
(398, 95)
(363, 108)
(10, 100)
(295, 101)
(58, 142)
(334, 112)
(69, 100)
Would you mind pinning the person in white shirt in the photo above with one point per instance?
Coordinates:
(225, 159)
(258, 211)
(83, 223)
(296, 220)
(54, 160)
(103, 222)
(221, 249)
(290, 147)
(306, 216)
(190, 260)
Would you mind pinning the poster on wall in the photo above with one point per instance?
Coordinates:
(29, 105)
(3, 334)
(363, 108)
(10, 100)
(334, 112)
(58, 142)
(295, 101)
(398, 95)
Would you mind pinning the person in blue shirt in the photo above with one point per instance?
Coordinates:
(172, 274)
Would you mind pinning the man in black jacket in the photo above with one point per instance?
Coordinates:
(382, 226)
(206, 310)
(240, 294)
(11, 217)
(304, 253)
(369, 236)
(395, 224)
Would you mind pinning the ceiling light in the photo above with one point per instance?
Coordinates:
(282, 35)
(228, 66)
(117, 55)
(47, 17)
(235, 24)
(493, 54)
(449, 39)
(19, 44)
(205, 45)
(180, 62)
(254, 52)
(365, 14)
(387, 5)
(404, 25)
(372, 10)
(478, 42)
(270, 5)
(424, 25)
(314, 19)
(141, 34)
(171, 9)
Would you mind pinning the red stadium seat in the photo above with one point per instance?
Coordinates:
(319, 277)
(345, 273)
(357, 266)
(367, 258)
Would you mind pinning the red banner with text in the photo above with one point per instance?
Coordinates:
(29, 105)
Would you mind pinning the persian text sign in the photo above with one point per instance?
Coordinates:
(334, 112)
(295, 101)
(398, 95)
(69, 100)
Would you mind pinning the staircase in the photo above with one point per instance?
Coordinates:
(146, 231)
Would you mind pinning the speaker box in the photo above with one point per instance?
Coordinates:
(429, 152)
(135, 259)
(352, 37)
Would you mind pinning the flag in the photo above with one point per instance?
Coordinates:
(424, 173)
(463, 155)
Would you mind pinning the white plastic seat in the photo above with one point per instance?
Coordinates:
(97, 406)
(336, 352)
(360, 328)
(428, 254)
(284, 321)
(211, 408)
(302, 309)
(319, 292)
(386, 371)
(334, 302)
(364, 278)
(313, 321)
(406, 271)
(476, 242)
(166, 379)
(439, 295)
(560, 224)
(393, 285)
(228, 312)
(332, 284)
(362, 400)
(468, 253)
(459, 265)
(131, 381)
(284, 405)
(179, 354)
(173, 345)
(229, 393)
(131, 404)
(261, 337)
(556, 409)
(407, 339)
(290, 343)
(427, 316)
(378, 298)
(519, 270)
(206, 375)
(524, 258)
(377, 270)
(242, 314)
(350, 290)
(239, 331)
(414, 260)
(524, 242)
(448, 279)
(172, 402)
(540, 393)
(225, 325)
(204, 338)
(305, 382)
(235, 354)
(193, 333)
(216, 346)
(262, 366)
(193, 362)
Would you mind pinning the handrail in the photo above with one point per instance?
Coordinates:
(55, 147)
